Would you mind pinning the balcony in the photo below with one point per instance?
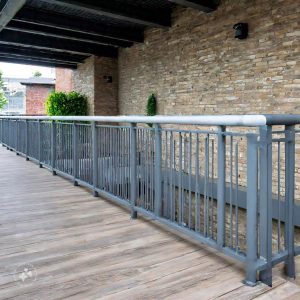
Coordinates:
(213, 204)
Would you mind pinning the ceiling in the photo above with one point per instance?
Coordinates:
(64, 33)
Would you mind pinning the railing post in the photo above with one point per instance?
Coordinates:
(133, 170)
(221, 186)
(8, 144)
(95, 157)
(252, 200)
(157, 174)
(2, 130)
(75, 153)
(17, 137)
(53, 147)
(26, 140)
(265, 206)
(40, 143)
(289, 200)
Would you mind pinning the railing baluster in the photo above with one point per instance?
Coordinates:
(289, 200)
(133, 170)
(1, 138)
(211, 186)
(278, 196)
(17, 137)
(75, 152)
(40, 139)
(221, 186)
(53, 147)
(166, 196)
(26, 139)
(231, 193)
(252, 200)
(197, 194)
(265, 218)
(180, 196)
(236, 197)
(190, 182)
(95, 157)
(172, 167)
(158, 179)
(206, 180)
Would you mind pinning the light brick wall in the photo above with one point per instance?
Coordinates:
(198, 67)
(36, 96)
(89, 79)
(84, 81)
(106, 93)
(64, 80)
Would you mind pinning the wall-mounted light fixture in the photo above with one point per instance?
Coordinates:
(241, 30)
(107, 79)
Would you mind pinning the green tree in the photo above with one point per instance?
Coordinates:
(3, 99)
(37, 74)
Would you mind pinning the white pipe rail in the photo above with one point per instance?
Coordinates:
(209, 120)
(206, 120)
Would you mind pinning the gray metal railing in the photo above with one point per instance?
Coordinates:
(233, 190)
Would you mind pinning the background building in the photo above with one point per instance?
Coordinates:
(27, 96)
(15, 93)
(37, 91)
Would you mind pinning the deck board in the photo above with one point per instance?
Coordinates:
(83, 247)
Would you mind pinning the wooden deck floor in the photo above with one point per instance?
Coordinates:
(75, 246)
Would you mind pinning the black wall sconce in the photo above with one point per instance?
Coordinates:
(241, 30)
(107, 79)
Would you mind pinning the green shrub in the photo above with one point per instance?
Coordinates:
(66, 104)
(151, 106)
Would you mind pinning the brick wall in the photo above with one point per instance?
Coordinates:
(36, 96)
(89, 79)
(106, 93)
(197, 67)
(84, 82)
(64, 80)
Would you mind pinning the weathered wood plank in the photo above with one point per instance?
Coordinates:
(87, 248)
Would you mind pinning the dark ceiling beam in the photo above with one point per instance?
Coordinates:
(30, 58)
(14, 38)
(9, 11)
(43, 63)
(42, 53)
(22, 52)
(203, 5)
(66, 34)
(71, 23)
(113, 9)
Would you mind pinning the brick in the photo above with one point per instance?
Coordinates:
(36, 96)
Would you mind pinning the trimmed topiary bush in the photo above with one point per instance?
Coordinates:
(66, 104)
(151, 106)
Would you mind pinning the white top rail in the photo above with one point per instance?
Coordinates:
(208, 120)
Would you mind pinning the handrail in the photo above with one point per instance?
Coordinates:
(170, 174)
(209, 120)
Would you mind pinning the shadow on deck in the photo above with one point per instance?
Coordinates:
(59, 242)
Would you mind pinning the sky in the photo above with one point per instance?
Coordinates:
(24, 71)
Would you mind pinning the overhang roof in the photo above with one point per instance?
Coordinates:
(62, 33)
(38, 81)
